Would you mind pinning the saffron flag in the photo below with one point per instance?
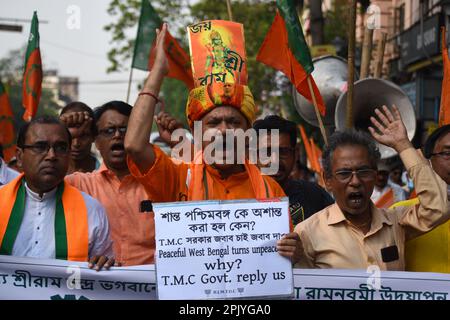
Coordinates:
(144, 53)
(32, 75)
(7, 135)
(444, 111)
(386, 200)
(285, 49)
(309, 152)
(317, 154)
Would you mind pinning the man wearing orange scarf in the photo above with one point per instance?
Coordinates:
(218, 106)
(41, 216)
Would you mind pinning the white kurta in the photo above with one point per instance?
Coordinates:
(36, 236)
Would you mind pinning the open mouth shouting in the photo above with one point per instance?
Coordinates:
(118, 149)
(355, 199)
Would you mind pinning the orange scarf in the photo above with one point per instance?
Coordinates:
(202, 188)
(71, 225)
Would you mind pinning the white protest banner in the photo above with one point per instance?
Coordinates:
(333, 284)
(44, 279)
(221, 249)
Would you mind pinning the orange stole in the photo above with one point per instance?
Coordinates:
(75, 213)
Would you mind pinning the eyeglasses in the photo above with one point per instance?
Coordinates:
(111, 131)
(363, 174)
(444, 154)
(60, 149)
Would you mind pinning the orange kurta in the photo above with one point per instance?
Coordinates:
(167, 181)
(132, 231)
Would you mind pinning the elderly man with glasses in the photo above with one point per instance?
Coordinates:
(353, 233)
(41, 216)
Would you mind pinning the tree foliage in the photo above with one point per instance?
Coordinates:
(272, 91)
(255, 15)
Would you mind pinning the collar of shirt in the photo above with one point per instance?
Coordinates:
(103, 169)
(378, 218)
(215, 173)
(35, 196)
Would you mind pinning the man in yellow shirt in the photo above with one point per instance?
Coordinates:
(431, 252)
(353, 233)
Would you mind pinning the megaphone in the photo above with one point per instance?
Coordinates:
(371, 93)
(330, 74)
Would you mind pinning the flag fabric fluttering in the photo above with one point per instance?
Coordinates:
(309, 152)
(285, 49)
(316, 154)
(386, 200)
(32, 75)
(7, 134)
(144, 53)
(444, 111)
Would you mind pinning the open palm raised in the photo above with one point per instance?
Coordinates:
(391, 130)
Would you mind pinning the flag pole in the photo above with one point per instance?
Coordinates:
(129, 84)
(366, 53)
(316, 108)
(380, 55)
(230, 13)
(351, 63)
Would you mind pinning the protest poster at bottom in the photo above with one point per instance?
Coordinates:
(46, 279)
(221, 249)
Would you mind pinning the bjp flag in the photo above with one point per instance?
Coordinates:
(144, 48)
(32, 76)
(285, 50)
(7, 135)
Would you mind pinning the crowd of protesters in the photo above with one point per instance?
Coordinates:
(60, 200)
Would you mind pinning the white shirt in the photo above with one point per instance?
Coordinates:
(36, 236)
(6, 174)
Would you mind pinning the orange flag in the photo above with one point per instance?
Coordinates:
(386, 200)
(317, 154)
(285, 49)
(144, 53)
(444, 111)
(32, 75)
(413, 194)
(179, 62)
(7, 136)
(307, 145)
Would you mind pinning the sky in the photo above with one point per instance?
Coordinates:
(79, 52)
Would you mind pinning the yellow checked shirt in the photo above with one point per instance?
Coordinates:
(330, 241)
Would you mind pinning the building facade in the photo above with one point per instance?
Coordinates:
(415, 58)
(64, 89)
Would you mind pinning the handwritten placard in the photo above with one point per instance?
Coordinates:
(221, 249)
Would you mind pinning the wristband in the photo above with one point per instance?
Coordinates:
(146, 93)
